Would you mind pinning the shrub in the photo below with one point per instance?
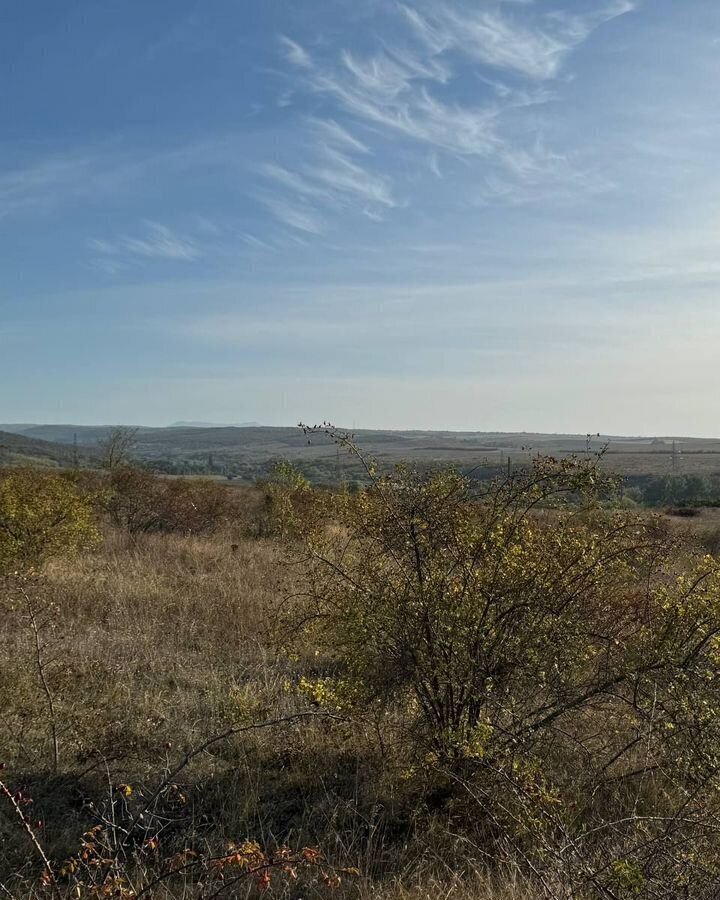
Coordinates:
(709, 539)
(286, 493)
(684, 512)
(552, 659)
(419, 591)
(41, 515)
(140, 502)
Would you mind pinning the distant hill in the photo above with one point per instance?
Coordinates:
(18, 449)
(260, 441)
(15, 429)
(64, 434)
(215, 425)
(250, 451)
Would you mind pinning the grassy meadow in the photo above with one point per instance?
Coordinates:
(156, 642)
(124, 658)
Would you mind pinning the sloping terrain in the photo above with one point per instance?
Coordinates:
(63, 434)
(18, 449)
(250, 451)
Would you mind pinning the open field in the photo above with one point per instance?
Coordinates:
(152, 685)
(250, 452)
(155, 643)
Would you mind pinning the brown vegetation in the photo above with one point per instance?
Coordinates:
(193, 693)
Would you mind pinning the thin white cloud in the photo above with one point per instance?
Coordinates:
(329, 180)
(302, 218)
(334, 181)
(330, 131)
(402, 316)
(384, 91)
(293, 52)
(343, 176)
(536, 50)
(403, 89)
(293, 181)
(254, 241)
(99, 171)
(36, 187)
(158, 242)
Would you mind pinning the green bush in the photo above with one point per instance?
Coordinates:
(41, 515)
(556, 663)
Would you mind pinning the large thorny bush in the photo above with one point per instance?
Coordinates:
(556, 663)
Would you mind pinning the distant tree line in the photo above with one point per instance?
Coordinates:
(674, 490)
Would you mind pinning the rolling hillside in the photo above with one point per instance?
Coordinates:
(249, 451)
(19, 449)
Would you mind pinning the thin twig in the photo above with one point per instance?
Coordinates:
(41, 663)
(22, 818)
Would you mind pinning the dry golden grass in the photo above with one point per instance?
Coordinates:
(152, 644)
(153, 635)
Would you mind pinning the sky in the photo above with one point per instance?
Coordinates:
(456, 214)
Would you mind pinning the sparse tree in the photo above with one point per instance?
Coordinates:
(116, 448)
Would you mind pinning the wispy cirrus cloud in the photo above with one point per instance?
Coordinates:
(334, 180)
(294, 53)
(337, 135)
(331, 179)
(156, 242)
(391, 90)
(36, 187)
(297, 215)
(406, 89)
(536, 49)
(95, 172)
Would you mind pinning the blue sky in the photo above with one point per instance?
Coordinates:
(429, 213)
